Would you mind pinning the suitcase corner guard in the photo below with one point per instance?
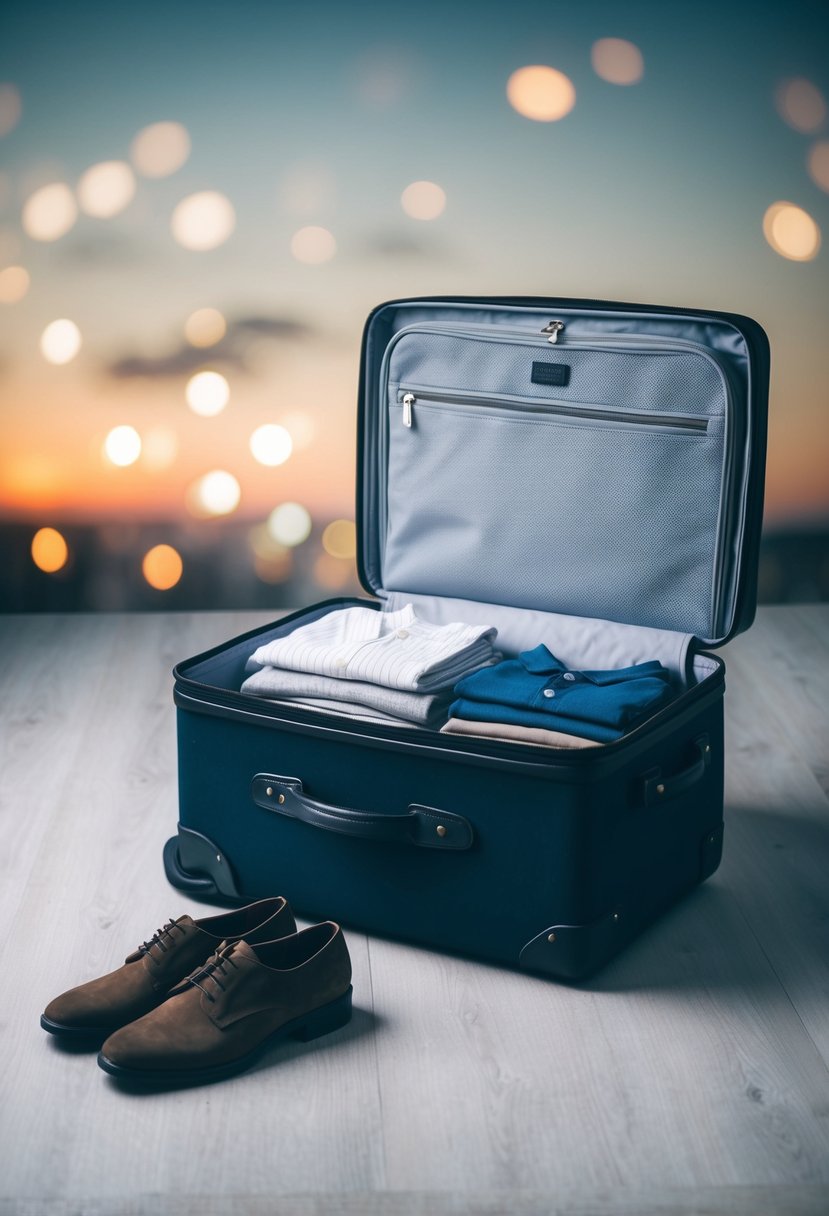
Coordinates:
(573, 952)
(420, 825)
(193, 863)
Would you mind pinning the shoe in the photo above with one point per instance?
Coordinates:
(94, 1010)
(221, 1019)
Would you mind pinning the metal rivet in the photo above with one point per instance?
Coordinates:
(440, 829)
(710, 839)
(281, 799)
(660, 789)
(269, 791)
(615, 915)
(551, 937)
(707, 747)
(218, 857)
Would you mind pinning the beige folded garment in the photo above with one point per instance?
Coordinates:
(508, 733)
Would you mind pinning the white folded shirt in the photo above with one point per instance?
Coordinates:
(394, 649)
(388, 704)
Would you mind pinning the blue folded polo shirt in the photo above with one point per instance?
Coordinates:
(536, 689)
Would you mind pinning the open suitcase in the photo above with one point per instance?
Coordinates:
(580, 473)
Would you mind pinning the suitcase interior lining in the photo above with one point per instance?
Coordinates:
(623, 645)
(634, 517)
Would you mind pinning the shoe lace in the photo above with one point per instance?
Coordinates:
(158, 937)
(213, 969)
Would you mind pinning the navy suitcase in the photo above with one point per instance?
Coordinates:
(580, 473)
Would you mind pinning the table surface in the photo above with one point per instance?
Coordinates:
(690, 1076)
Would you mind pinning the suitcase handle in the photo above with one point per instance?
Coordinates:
(421, 825)
(660, 789)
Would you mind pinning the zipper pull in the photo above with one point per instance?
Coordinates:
(408, 402)
(554, 328)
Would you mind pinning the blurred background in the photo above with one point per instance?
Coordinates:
(200, 204)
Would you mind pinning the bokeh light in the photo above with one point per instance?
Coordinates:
(271, 444)
(423, 200)
(159, 448)
(14, 283)
(819, 163)
(11, 245)
(541, 93)
(301, 427)
(216, 493)
(307, 187)
(313, 245)
(10, 108)
(289, 524)
(50, 212)
(205, 327)
(162, 567)
(50, 551)
(617, 61)
(106, 189)
(801, 104)
(339, 538)
(122, 446)
(332, 573)
(791, 232)
(207, 393)
(272, 561)
(203, 221)
(160, 149)
(383, 75)
(60, 341)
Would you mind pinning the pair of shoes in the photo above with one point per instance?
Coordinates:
(202, 999)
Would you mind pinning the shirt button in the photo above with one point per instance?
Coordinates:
(402, 633)
(568, 675)
(548, 692)
(341, 662)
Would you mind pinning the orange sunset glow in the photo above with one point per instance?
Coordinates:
(184, 277)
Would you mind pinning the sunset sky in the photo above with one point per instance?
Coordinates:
(321, 116)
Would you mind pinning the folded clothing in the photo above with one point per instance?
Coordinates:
(357, 713)
(345, 696)
(537, 690)
(508, 732)
(392, 649)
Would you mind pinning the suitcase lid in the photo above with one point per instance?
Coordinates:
(580, 457)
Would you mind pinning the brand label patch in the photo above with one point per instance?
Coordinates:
(551, 373)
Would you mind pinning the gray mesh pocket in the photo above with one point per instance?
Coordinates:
(579, 517)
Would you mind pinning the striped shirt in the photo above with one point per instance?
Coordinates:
(394, 649)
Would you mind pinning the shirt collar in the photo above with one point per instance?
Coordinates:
(540, 662)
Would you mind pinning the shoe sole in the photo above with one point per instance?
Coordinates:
(312, 1025)
(93, 1035)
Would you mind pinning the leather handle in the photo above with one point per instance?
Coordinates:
(660, 789)
(425, 826)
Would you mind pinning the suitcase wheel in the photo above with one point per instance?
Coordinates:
(198, 883)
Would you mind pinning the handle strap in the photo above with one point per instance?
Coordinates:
(425, 826)
(659, 789)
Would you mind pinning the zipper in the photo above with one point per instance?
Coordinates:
(554, 330)
(683, 422)
(644, 343)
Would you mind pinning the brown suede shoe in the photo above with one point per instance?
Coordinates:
(93, 1010)
(222, 1018)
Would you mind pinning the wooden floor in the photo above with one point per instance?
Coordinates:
(691, 1076)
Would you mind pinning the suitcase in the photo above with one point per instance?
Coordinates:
(586, 474)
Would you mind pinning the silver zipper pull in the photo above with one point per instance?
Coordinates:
(554, 328)
(408, 402)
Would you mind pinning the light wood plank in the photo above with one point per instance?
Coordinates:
(96, 888)
(776, 857)
(703, 1201)
(690, 1076)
